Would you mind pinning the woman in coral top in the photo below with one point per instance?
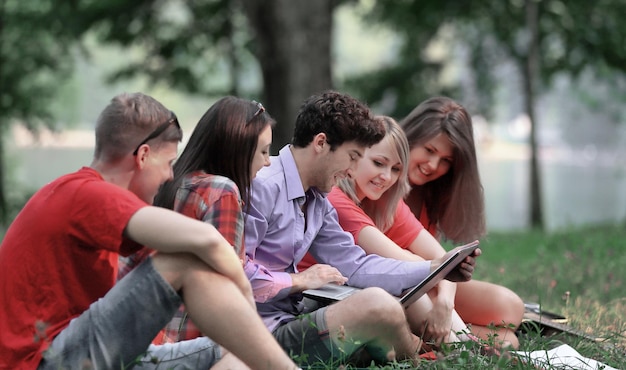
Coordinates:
(370, 206)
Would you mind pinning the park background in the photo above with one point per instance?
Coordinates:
(579, 130)
(543, 79)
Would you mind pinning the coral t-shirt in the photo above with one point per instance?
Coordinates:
(58, 256)
(353, 219)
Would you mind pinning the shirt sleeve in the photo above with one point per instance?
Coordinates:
(267, 285)
(405, 227)
(214, 200)
(226, 215)
(336, 247)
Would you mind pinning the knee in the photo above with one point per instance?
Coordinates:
(513, 306)
(178, 268)
(382, 306)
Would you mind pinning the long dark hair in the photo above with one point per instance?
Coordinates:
(223, 143)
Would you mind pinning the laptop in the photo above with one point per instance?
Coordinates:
(331, 293)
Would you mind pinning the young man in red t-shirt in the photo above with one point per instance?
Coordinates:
(59, 304)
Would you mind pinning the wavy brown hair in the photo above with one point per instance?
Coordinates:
(454, 202)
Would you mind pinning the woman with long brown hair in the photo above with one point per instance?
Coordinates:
(447, 197)
(212, 179)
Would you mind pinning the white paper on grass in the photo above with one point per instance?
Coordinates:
(561, 357)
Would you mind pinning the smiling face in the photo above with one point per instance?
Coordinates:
(377, 171)
(335, 165)
(262, 154)
(431, 160)
(155, 169)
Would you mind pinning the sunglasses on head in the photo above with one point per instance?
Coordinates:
(260, 109)
(159, 130)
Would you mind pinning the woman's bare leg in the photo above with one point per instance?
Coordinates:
(485, 305)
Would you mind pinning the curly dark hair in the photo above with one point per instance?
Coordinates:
(341, 117)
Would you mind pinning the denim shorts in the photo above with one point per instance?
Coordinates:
(116, 331)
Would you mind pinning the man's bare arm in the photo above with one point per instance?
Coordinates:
(169, 232)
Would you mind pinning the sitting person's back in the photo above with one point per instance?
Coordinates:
(61, 307)
(211, 183)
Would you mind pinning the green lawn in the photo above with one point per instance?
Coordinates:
(580, 273)
(560, 269)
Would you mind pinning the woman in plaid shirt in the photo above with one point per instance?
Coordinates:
(212, 177)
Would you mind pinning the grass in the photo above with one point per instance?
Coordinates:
(579, 273)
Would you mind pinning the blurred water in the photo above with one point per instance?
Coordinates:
(33, 167)
(578, 188)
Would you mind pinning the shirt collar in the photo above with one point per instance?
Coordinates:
(292, 176)
(295, 189)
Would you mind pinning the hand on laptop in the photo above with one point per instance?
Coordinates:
(316, 276)
(464, 270)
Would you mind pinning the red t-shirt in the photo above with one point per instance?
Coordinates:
(353, 219)
(58, 256)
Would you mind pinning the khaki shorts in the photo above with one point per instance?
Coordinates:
(306, 338)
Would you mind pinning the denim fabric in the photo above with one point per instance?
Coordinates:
(116, 331)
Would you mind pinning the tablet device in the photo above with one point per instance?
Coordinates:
(330, 293)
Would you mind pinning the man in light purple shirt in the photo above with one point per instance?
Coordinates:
(288, 215)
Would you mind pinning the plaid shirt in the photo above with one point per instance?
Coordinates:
(212, 199)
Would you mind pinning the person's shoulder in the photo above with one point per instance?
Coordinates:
(340, 199)
(274, 173)
(269, 185)
(83, 174)
(89, 189)
(200, 180)
(403, 210)
(336, 194)
(90, 180)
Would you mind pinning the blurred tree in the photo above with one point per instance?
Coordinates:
(203, 47)
(542, 37)
(35, 58)
(292, 40)
(191, 46)
(414, 76)
(207, 47)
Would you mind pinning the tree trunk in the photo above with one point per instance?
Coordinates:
(3, 129)
(531, 69)
(234, 62)
(292, 40)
